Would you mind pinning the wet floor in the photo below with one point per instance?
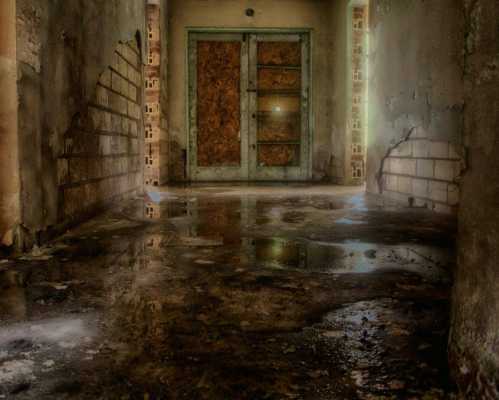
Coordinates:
(269, 292)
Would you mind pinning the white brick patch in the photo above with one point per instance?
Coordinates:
(403, 150)
(403, 166)
(404, 185)
(439, 150)
(438, 191)
(420, 187)
(425, 168)
(446, 170)
(420, 148)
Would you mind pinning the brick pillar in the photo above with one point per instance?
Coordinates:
(156, 145)
(356, 140)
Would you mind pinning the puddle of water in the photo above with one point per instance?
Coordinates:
(350, 257)
(60, 331)
(359, 202)
(348, 221)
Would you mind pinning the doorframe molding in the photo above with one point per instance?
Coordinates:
(204, 29)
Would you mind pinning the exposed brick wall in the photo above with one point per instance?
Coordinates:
(358, 117)
(102, 151)
(156, 141)
(425, 170)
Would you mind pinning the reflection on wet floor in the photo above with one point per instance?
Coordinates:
(233, 293)
(350, 257)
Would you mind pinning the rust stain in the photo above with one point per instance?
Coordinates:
(279, 127)
(278, 155)
(218, 103)
(279, 53)
(279, 79)
(279, 103)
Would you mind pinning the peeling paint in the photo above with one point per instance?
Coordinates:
(416, 85)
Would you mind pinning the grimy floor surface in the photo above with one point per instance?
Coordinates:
(225, 293)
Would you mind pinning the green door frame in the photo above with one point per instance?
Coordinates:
(248, 169)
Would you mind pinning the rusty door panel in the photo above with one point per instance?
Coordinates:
(279, 53)
(280, 131)
(279, 79)
(278, 155)
(279, 103)
(218, 103)
(283, 127)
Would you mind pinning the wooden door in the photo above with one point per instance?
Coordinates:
(279, 107)
(218, 112)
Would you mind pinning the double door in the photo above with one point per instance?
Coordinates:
(249, 107)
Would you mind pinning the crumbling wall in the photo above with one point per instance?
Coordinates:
(415, 101)
(474, 341)
(63, 50)
(101, 155)
(423, 172)
(10, 214)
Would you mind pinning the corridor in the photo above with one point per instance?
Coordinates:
(234, 292)
(249, 200)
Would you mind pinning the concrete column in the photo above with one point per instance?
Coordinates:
(9, 162)
(474, 341)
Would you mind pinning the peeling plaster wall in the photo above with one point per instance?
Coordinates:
(474, 341)
(339, 21)
(10, 214)
(268, 14)
(63, 48)
(415, 84)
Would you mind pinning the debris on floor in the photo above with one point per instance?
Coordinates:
(228, 294)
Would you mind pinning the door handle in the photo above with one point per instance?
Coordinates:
(252, 90)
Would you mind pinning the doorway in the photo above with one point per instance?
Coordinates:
(249, 106)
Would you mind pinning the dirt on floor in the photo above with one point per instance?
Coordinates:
(271, 292)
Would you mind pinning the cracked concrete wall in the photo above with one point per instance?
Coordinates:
(474, 341)
(10, 214)
(63, 48)
(415, 87)
(268, 14)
